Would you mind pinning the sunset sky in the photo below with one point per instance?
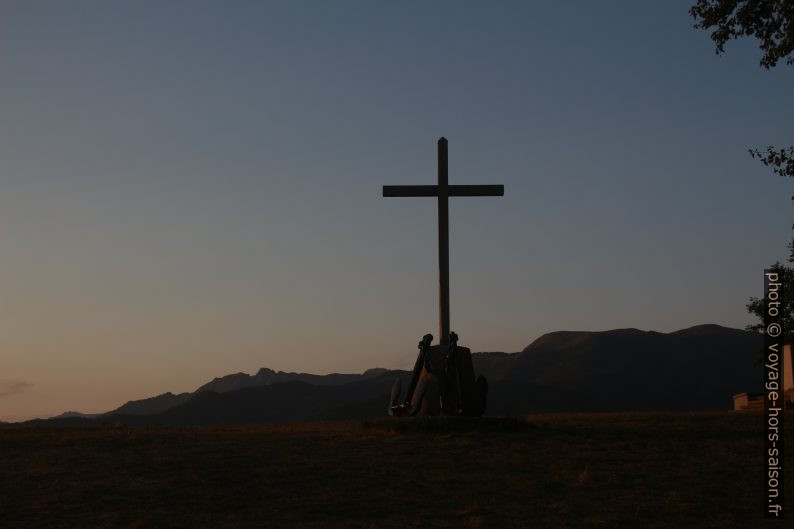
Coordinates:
(191, 189)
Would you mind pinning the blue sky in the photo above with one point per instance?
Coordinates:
(189, 189)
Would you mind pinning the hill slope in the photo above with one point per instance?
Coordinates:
(693, 369)
(698, 368)
(572, 471)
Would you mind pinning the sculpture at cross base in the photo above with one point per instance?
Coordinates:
(443, 380)
(442, 383)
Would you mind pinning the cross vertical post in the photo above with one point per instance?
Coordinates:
(443, 191)
(443, 242)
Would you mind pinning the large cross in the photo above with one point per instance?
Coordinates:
(443, 191)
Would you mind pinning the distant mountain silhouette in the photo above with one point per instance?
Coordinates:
(267, 376)
(278, 402)
(152, 405)
(75, 414)
(233, 382)
(698, 368)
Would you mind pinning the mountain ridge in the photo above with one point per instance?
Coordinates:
(696, 368)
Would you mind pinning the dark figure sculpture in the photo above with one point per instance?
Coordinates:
(442, 383)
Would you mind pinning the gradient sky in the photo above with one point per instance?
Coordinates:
(190, 189)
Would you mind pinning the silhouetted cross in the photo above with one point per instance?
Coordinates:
(443, 191)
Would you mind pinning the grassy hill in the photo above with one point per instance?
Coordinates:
(650, 470)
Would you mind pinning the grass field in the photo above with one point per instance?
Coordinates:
(554, 471)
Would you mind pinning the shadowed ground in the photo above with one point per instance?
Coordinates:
(559, 471)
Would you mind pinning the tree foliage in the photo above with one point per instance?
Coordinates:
(770, 21)
(780, 160)
(756, 305)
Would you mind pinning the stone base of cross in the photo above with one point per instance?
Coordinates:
(442, 383)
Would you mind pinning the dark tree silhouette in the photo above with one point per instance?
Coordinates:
(780, 160)
(756, 305)
(772, 23)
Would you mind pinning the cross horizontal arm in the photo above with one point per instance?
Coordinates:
(477, 191)
(410, 191)
(453, 191)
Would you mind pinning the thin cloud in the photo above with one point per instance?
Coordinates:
(12, 387)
